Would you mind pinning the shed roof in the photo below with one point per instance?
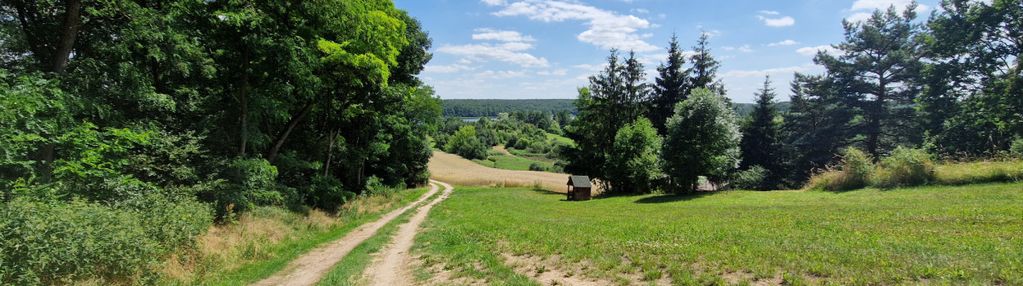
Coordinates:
(579, 181)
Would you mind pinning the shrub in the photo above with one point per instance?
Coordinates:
(753, 178)
(536, 167)
(327, 193)
(856, 168)
(905, 167)
(465, 143)
(1017, 148)
(246, 183)
(61, 242)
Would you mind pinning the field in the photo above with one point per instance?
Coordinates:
(502, 158)
(458, 171)
(936, 235)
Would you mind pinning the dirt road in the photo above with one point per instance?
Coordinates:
(391, 265)
(311, 267)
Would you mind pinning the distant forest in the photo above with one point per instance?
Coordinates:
(492, 107)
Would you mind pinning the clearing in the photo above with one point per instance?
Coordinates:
(935, 234)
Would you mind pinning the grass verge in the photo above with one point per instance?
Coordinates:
(263, 241)
(934, 234)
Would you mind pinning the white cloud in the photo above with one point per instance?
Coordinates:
(863, 9)
(774, 19)
(811, 51)
(484, 34)
(493, 2)
(489, 74)
(508, 52)
(783, 43)
(770, 71)
(606, 29)
(557, 72)
(743, 48)
(452, 68)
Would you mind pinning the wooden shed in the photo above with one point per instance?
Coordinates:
(579, 188)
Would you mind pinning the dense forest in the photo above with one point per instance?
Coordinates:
(494, 107)
(127, 127)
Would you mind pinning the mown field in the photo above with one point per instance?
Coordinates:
(941, 235)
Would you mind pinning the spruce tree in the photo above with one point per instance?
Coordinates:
(670, 86)
(760, 137)
(704, 70)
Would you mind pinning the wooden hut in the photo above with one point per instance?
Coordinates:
(579, 188)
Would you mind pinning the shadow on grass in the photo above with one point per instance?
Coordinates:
(670, 198)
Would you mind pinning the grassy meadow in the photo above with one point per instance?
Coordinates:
(935, 234)
(513, 160)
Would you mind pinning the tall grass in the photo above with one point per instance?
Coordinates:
(912, 167)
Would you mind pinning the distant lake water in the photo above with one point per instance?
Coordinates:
(473, 119)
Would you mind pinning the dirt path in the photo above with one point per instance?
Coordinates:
(391, 265)
(309, 268)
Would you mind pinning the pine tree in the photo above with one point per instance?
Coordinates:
(816, 127)
(670, 86)
(878, 69)
(760, 137)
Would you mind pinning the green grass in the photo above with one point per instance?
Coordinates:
(943, 235)
(560, 139)
(349, 270)
(288, 250)
(510, 162)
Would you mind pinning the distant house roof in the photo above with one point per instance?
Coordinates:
(579, 181)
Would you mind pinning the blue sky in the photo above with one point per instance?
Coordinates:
(518, 49)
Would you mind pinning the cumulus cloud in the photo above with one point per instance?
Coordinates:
(606, 29)
(493, 2)
(783, 43)
(452, 68)
(775, 19)
(770, 71)
(510, 47)
(811, 51)
(862, 9)
(743, 48)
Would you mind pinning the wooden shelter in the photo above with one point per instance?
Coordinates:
(579, 188)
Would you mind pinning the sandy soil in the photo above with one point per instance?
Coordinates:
(311, 267)
(392, 265)
(459, 171)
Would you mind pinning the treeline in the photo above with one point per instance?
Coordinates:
(525, 131)
(493, 107)
(949, 86)
(127, 126)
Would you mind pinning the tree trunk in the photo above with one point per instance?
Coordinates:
(287, 132)
(330, 153)
(243, 98)
(68, 33)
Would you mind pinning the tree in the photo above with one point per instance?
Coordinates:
(635, 165)
(465, 143)
(816, 128)
(671, 86)
(703, 140)
(703, 73)
(615, 97)
(878, 68)
(760, 142)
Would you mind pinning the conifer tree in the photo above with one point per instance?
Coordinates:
(760, 137)
(670, 86)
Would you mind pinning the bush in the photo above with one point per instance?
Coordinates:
(536, 167)
(1017, 148)
(465, 143)
(327, 193)
(856, 168)
(246, 183)
(60, 242)
(905, 167)
(753, 178)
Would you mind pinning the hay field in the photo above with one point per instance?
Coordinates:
(456, 170)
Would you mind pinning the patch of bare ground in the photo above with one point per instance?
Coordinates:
(438, 274)
(739, 278)
(391, 266)
(459, 171)
(311, 267)
(554, 271)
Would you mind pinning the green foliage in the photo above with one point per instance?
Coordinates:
(702, 140)
(635, 152)
(760, 137)
(752, 178)
(905, 167)
(58, 242)
(1017, 148)
(856, 170)
(494, 107)
(465, 143)
(327, 193)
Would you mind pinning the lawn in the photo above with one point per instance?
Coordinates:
(510, 161)
(944, 235)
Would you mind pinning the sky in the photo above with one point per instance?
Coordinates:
(528, 49)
